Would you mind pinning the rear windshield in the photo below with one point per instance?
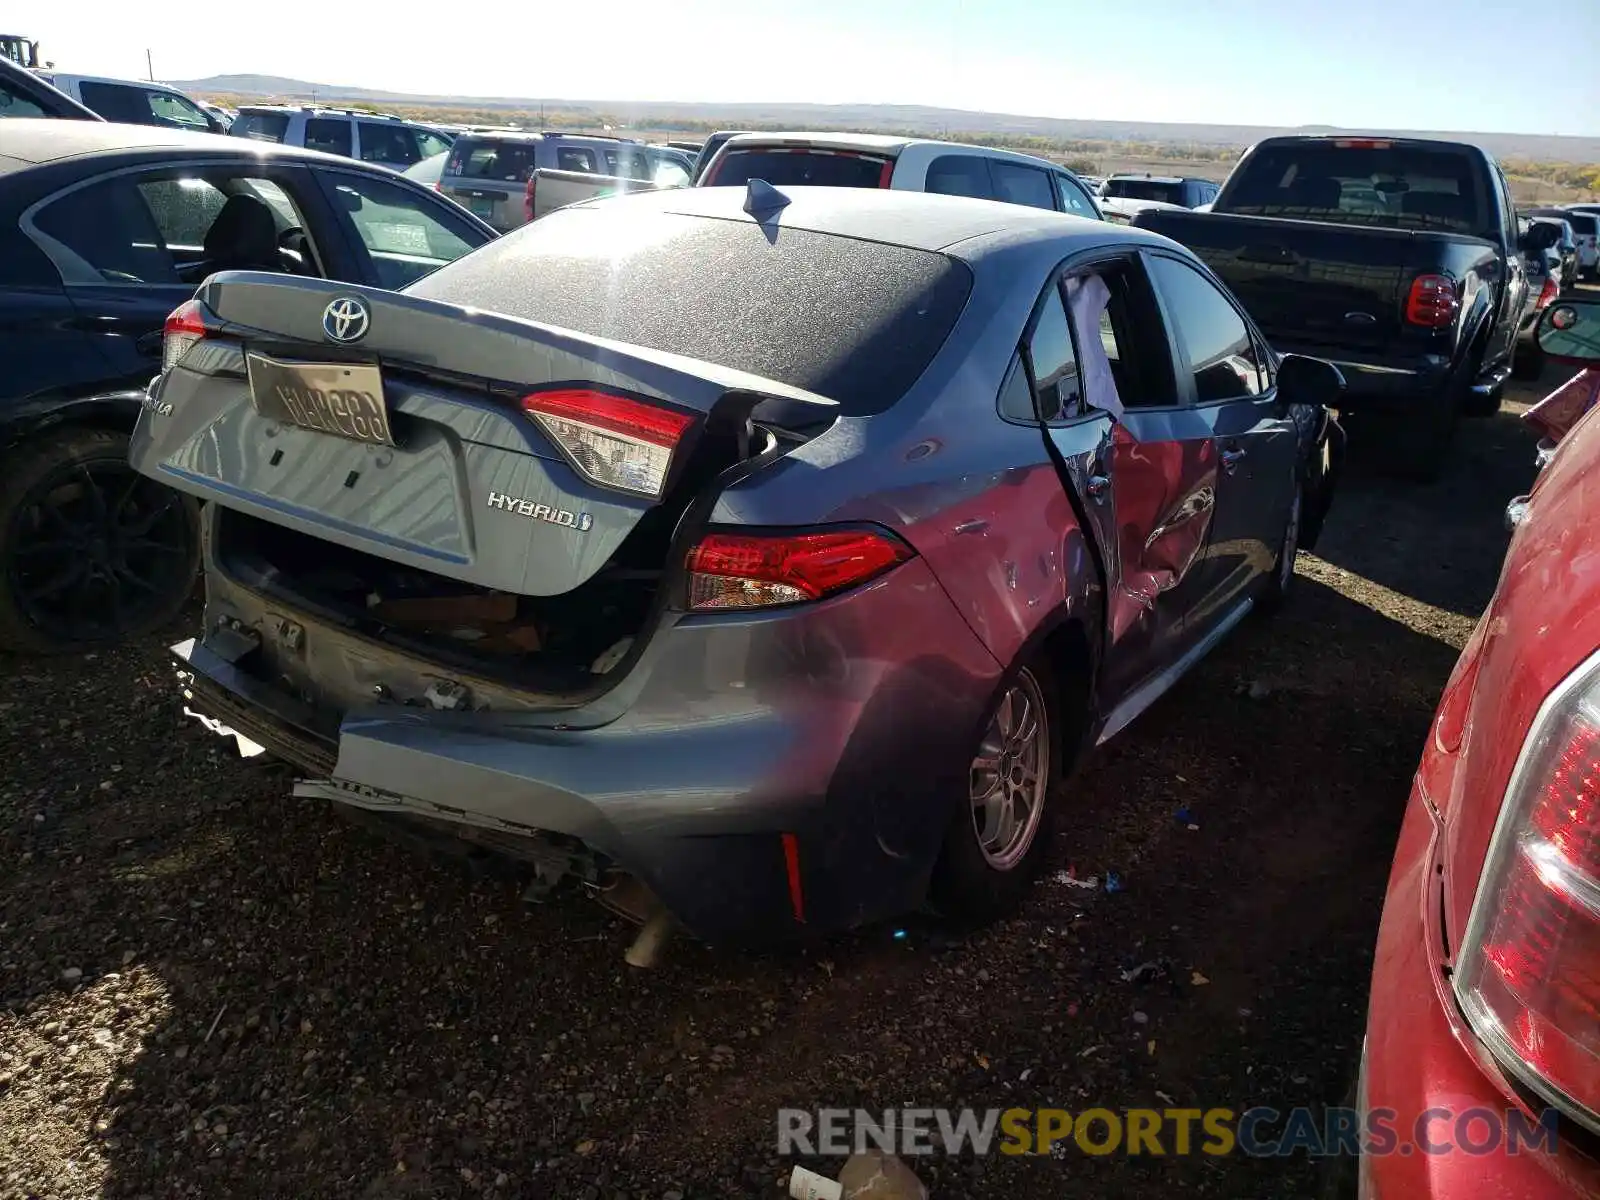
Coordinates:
(1144, 189)
(792, 168)
(263, 127)
(506, 162)
(851, 320)
(1404, 187)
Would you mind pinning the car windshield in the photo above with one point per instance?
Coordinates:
(1407, 187)
(785, 167)
(1165, 191)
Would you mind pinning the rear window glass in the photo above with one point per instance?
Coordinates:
(1144, 189)
(795, 168)
(851, 320)
(504, 162)
(263, 127)
(1406, 187)
(1582, 225)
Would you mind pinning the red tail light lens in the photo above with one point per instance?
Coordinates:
(184, 328)
(761, 570)
(527, 195)
(1433, 302)
(1528, 973)
(1548, 293)
(615, 441)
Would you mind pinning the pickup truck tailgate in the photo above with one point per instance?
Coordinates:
(1307, 282)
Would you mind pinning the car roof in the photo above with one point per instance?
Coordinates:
(880, 143)
(919, 220)
(148, 85)
(35, 140)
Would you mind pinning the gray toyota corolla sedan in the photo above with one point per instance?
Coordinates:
(773, 554)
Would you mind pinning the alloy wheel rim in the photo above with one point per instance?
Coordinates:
(1011, 774)
(95, 550)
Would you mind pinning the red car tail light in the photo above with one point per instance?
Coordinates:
(1528, 971)
(1433, 302)
(614, 440)
(527, 194)
(761, 570)
(185, 327)
(1548, 293)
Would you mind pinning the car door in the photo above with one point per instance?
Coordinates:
(1223, 365)
(1142, 460)
(130, 246)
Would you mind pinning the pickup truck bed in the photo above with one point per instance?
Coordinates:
(550, 189)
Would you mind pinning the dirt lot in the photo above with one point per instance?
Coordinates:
(207, 988)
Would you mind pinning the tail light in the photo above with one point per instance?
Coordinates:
(1528, 972)
(184, 328)
(1548, 293)
(1433, 302)
(527, 195)
(762, 570)
(616, 441)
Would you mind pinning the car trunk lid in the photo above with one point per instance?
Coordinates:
(505, 454)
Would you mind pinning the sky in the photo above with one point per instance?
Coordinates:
(1397, 64)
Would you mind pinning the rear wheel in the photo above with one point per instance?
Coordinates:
(91, 552)
(996, 843)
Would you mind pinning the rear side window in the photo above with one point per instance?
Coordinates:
(261, 126)
(852, 320)
(960, 175)
(1015, 183)
(104, 233)
(405, 235)
(1056, 390)
(390, 145)
(1074, 199)
(331, 135)
(1582, 225)
(1400, 186)
(503, 162)
(576, 158)
(800, 167)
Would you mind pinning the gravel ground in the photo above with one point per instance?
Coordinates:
(208, 988)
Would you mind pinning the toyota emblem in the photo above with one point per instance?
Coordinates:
(346, 319)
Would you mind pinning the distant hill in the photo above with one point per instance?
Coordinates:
(906, 117)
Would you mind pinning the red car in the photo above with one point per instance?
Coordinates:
(1482, 1055)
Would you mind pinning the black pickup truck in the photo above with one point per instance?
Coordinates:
(1399, 259)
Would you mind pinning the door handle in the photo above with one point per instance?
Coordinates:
(1099, 488)
(1231, 459)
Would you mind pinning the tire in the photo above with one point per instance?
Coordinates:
(91, 552)
(1527, 363)
(976, 882)
(1276, 592)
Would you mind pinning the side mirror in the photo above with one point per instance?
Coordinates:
(1304, 380)
(1569, 331)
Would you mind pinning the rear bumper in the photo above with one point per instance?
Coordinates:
(847, 724)
(1420, 1058)
(1379, 382)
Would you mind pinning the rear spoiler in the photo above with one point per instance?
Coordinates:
(476, 346)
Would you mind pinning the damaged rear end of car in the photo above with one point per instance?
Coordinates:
(462, 573)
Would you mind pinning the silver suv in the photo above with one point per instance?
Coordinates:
(349, 132)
